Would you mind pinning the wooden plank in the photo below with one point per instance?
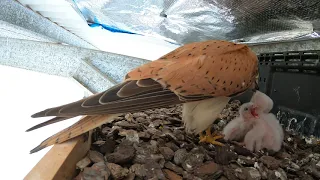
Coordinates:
(60, 162)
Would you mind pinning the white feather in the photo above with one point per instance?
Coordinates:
(198, 116)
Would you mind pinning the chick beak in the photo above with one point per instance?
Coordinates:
(253, 112)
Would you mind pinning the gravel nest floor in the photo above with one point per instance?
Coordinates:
(153, 145)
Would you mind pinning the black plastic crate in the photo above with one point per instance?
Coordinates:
(292, 80)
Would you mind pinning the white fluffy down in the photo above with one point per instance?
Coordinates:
(198, 116)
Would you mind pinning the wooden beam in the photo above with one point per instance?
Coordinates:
(60, 162)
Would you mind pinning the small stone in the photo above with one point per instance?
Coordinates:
(242, 151)
(252, 173)
(106, 130)
(162, 162)
(245, 160)
(107, 147)
(156, 123)
(174, 120)
(294, 166)
(83, 163)
(153, 169)
(156, 157)
(101, 168)
(99, 143)
(167, 153)
(171, 175)
(188, 176)
(313, 171)
(142, 120)
(129, 117)
(207, 169)
(172, 146)
(173, 167)
(318, 165)
(229, 173)
(180, 137)
(180, 156)
(130, 176)
(271, 162)
(127, 125)
(117, 172)
(304, 176)
(90, 173)
(140, 159)
(79, 176)
(262, 169)
(123, 154)
(154, 131)
(144, 135)
(192, 162)
(138, 169)
(282, 155)
(281, 174)
(223, 156)
(95, 156)
(272, 175)
(223, 178)
(153, 143)
(131, 135)
(240, 173)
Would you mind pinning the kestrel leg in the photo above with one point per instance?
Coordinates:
(210, 137)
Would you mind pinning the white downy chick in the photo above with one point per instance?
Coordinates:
(267, 131)
(262, 101)
(237, 128)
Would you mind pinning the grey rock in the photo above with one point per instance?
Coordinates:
(83, 163)
(144, 135)
(208, 170)
(171, 175)
(180, 156)
(107, 147)
(173, 167)
(154, 170)
(117, 172)
(91, 174)
(138, 169)
(189, 176)
(101, 167)
(271, 162)
(172, 146)
(131, 135)
(123, 154)
(130, 176)
(245, 160)
(167, 153)
(141, 159)
(129, 117)
(139, 115)
(127, 125)
(192, 161)
(95, 156)
(252, 173)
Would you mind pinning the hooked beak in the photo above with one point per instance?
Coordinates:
(253, 112)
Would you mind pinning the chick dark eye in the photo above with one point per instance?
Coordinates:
(246, 109)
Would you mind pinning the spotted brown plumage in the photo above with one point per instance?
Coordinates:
(211, 68)
(201, 75)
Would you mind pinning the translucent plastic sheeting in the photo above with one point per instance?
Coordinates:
(184, 21)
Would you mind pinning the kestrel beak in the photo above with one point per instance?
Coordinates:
(253, 111)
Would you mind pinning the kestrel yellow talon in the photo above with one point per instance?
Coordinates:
(211, 138)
